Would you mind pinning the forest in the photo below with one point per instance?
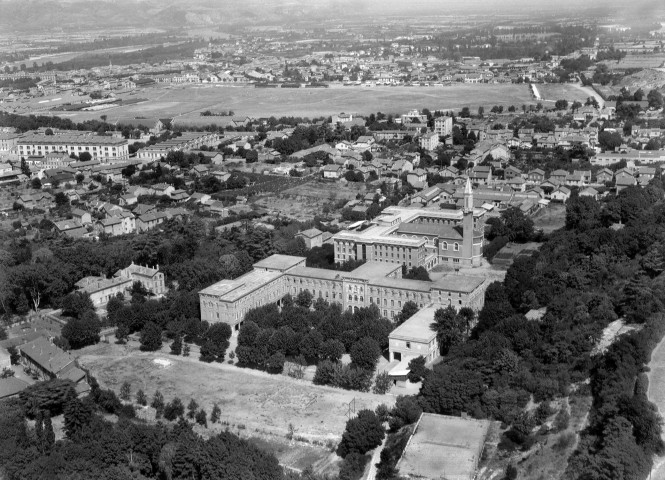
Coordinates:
(586, 276)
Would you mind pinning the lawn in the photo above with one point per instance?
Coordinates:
(551, 218)
(552, 92)
(250, 400)
(186, 102)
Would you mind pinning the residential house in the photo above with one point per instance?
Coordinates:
(481, 174)
(589, 192)
(536, 176)
(221, 175)
(645, 175)
(624, 180)
(151, 278)
(401, 166)
(512, 172)
(81, 216)
(332, 171)
(179, 196)
(200, 198)
(41, 200)
(560, 194)
(149, 221)
(142, 208)
(312, 237)
(416, 177)
(71, 228)
(111, 226)
(605, 175)
(558, 176)
(128, 220)
(161, 189)
(518, 184)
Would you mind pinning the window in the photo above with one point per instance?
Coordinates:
(456, 247)
(408, 344)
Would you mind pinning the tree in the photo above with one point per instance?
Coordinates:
(49, 434)
(176, 346)
(126, 391)
(141, 398)
(332, 349)
(36, 183)
(304, 299)
(449, 327)
(417, 273)
(78, 415)
(192, 407)
(417, 369)
(409, 309)
(561, 104)
(362, 434)
(216, 341)
(275, 363)
(174, 409)
(216, 412)
(185, 350)
(122, 332)
(151, 337)
(365, 353)
(382, 383)
(85, 157)
(518, 225)
(158, 403)
(80, 332)
(201, 418)
(76, 304)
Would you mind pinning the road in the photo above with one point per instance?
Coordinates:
(656, 376)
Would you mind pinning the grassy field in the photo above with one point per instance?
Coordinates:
(305, 201)
(552, 92)
(257, 401)
(551, 218)
(187, 101)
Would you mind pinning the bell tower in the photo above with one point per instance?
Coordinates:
(467, 225)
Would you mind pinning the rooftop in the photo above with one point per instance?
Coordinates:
(47, 355)
(232, 290)
(417, 327)
(279, 262)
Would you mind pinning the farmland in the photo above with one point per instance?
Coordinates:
(551, 92)
(187, 102)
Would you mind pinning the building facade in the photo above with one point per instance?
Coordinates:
(372, 283)
(417, 237)
(102, 148)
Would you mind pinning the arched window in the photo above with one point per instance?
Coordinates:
(444, 245)
(355, 298)
(456, 246)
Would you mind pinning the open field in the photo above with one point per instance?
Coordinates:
(551, 218)
(187, 101)
(261, 402)
(637, 61)
(305, 201)
(551, 92)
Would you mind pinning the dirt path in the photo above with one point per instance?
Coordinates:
(656, 394)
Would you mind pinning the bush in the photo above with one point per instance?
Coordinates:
(417, 369)
(342, 376)
(353, 466)
(382, 383)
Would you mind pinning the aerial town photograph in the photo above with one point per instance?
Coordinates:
(332, 240)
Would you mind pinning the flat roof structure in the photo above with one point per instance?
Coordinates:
(444, 447)
(418, 327)
(232, 290)
(279, 262)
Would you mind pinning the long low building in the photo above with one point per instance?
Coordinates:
(373, 283)
(636, 156)
(103, 148)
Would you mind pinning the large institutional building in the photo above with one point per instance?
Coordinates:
(418, 237)
(374, 282)
(103, 148)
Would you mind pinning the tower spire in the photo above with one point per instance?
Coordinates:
(468, 197)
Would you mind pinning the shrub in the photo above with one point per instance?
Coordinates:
(174, 409)
(382, 383)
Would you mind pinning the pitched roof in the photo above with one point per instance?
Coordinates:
(47, 355)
